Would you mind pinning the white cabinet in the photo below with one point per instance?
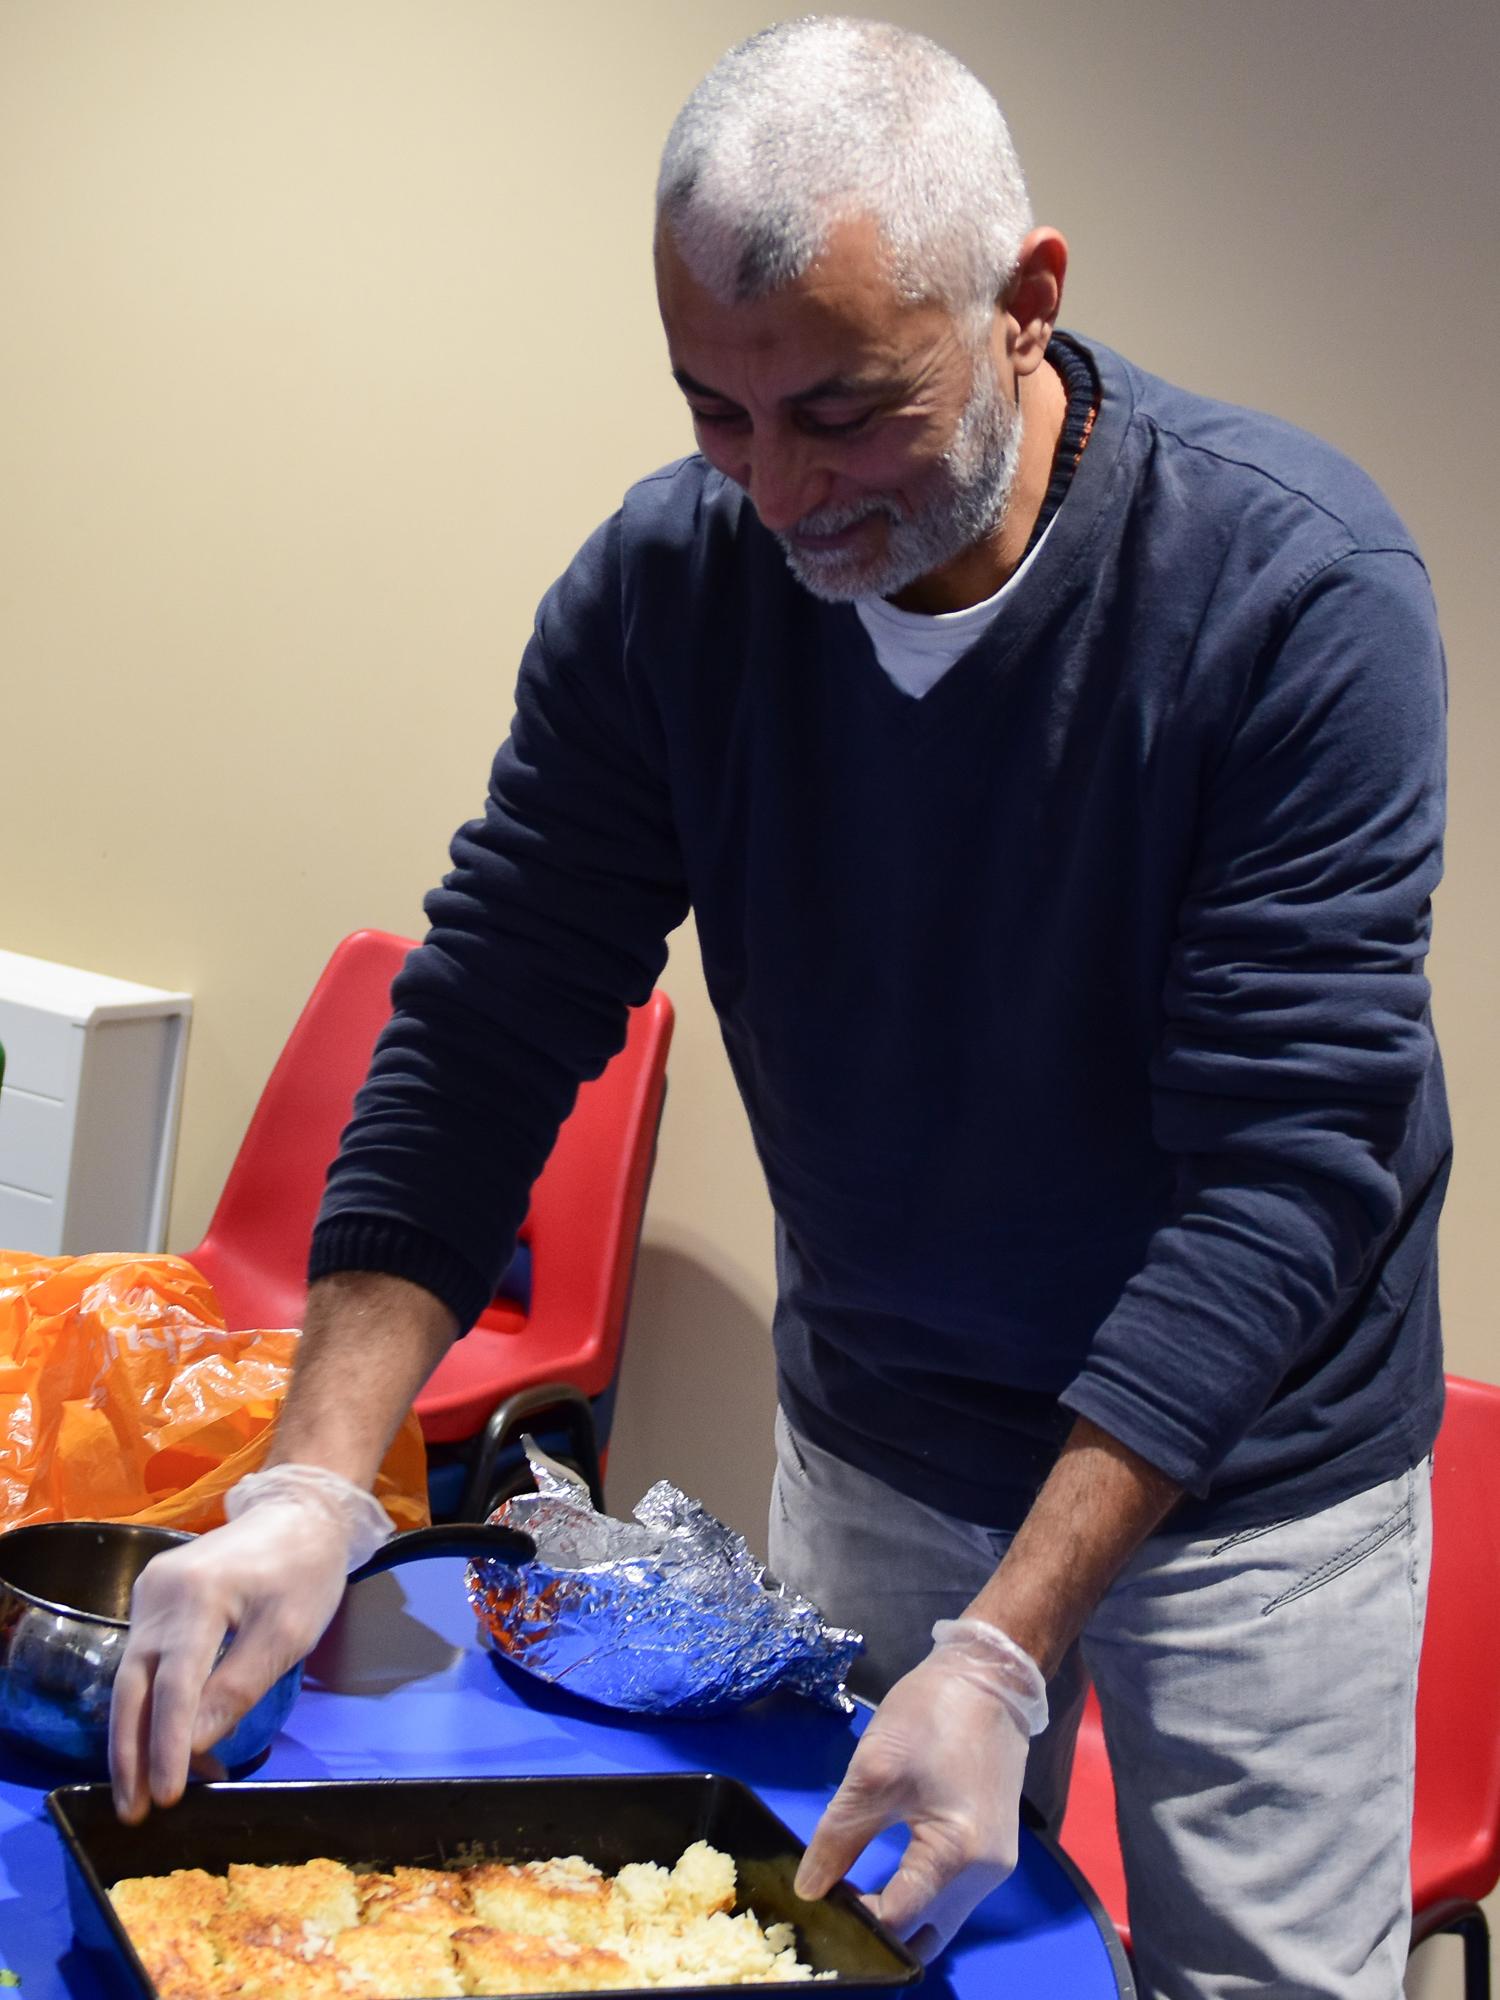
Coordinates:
(88, 1108)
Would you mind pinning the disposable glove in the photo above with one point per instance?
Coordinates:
(272, 1577)
(945, 1752)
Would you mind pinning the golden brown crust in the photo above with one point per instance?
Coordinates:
(382, 1958)
(269, 1955)
(177, 1960)
(542, 1899)
(496, 1961)
(318, 1931)
(320, 1893)
(185, 1892)
(429, 1899)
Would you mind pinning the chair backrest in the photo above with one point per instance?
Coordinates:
(255, 1250)
(1458, 1697)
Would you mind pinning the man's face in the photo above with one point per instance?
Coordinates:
(873, 439)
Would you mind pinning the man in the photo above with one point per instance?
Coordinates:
(1053, 762)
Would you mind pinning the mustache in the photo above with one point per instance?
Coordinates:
(832, 520)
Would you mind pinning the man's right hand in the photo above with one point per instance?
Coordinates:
(273, 1577)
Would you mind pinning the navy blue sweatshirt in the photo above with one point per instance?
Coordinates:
(1078, 1007)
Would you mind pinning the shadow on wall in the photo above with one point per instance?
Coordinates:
(1435, 1970)
(697, 1392)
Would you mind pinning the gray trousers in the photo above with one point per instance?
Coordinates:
(1258, 1694)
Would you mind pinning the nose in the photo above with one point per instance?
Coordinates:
(784, 483)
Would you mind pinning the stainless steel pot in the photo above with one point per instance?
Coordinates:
(65, 1615)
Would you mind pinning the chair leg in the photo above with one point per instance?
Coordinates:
(1475, 1933)
(556, 1399)
(1466, 1921)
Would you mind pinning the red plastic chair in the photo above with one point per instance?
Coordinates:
(557, 1351)
(1455, 1856)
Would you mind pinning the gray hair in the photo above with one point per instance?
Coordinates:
(822, 119)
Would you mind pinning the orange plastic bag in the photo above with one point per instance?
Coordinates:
(123, 1397)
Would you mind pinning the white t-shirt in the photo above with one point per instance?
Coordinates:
(916, 648)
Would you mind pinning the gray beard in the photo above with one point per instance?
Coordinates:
(977, 475)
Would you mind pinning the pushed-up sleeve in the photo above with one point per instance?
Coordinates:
(1296, 1032)
(550, 924)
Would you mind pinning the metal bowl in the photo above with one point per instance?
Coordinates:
(64, 1618)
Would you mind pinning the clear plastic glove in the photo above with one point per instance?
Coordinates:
(272, 1576)
(945, 1753)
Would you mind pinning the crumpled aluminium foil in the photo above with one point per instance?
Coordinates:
(668, 1614)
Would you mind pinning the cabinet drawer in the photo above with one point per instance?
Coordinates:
(30, 1222)
(42, 1050)
(36, 1134)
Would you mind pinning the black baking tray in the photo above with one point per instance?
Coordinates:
(452, 1822)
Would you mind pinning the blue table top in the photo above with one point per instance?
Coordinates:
(402, 1688)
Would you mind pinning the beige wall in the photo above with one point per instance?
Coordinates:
(326, 333)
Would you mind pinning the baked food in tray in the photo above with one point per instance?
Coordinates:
(386, 1826)
(320, 1928)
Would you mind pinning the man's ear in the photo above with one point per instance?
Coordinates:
(1033, 299)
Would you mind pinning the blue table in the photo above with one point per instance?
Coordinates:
(402, 1688)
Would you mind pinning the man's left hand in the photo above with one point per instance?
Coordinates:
(945, 1753)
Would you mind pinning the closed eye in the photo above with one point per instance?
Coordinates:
(806, 422)
(829, 427)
